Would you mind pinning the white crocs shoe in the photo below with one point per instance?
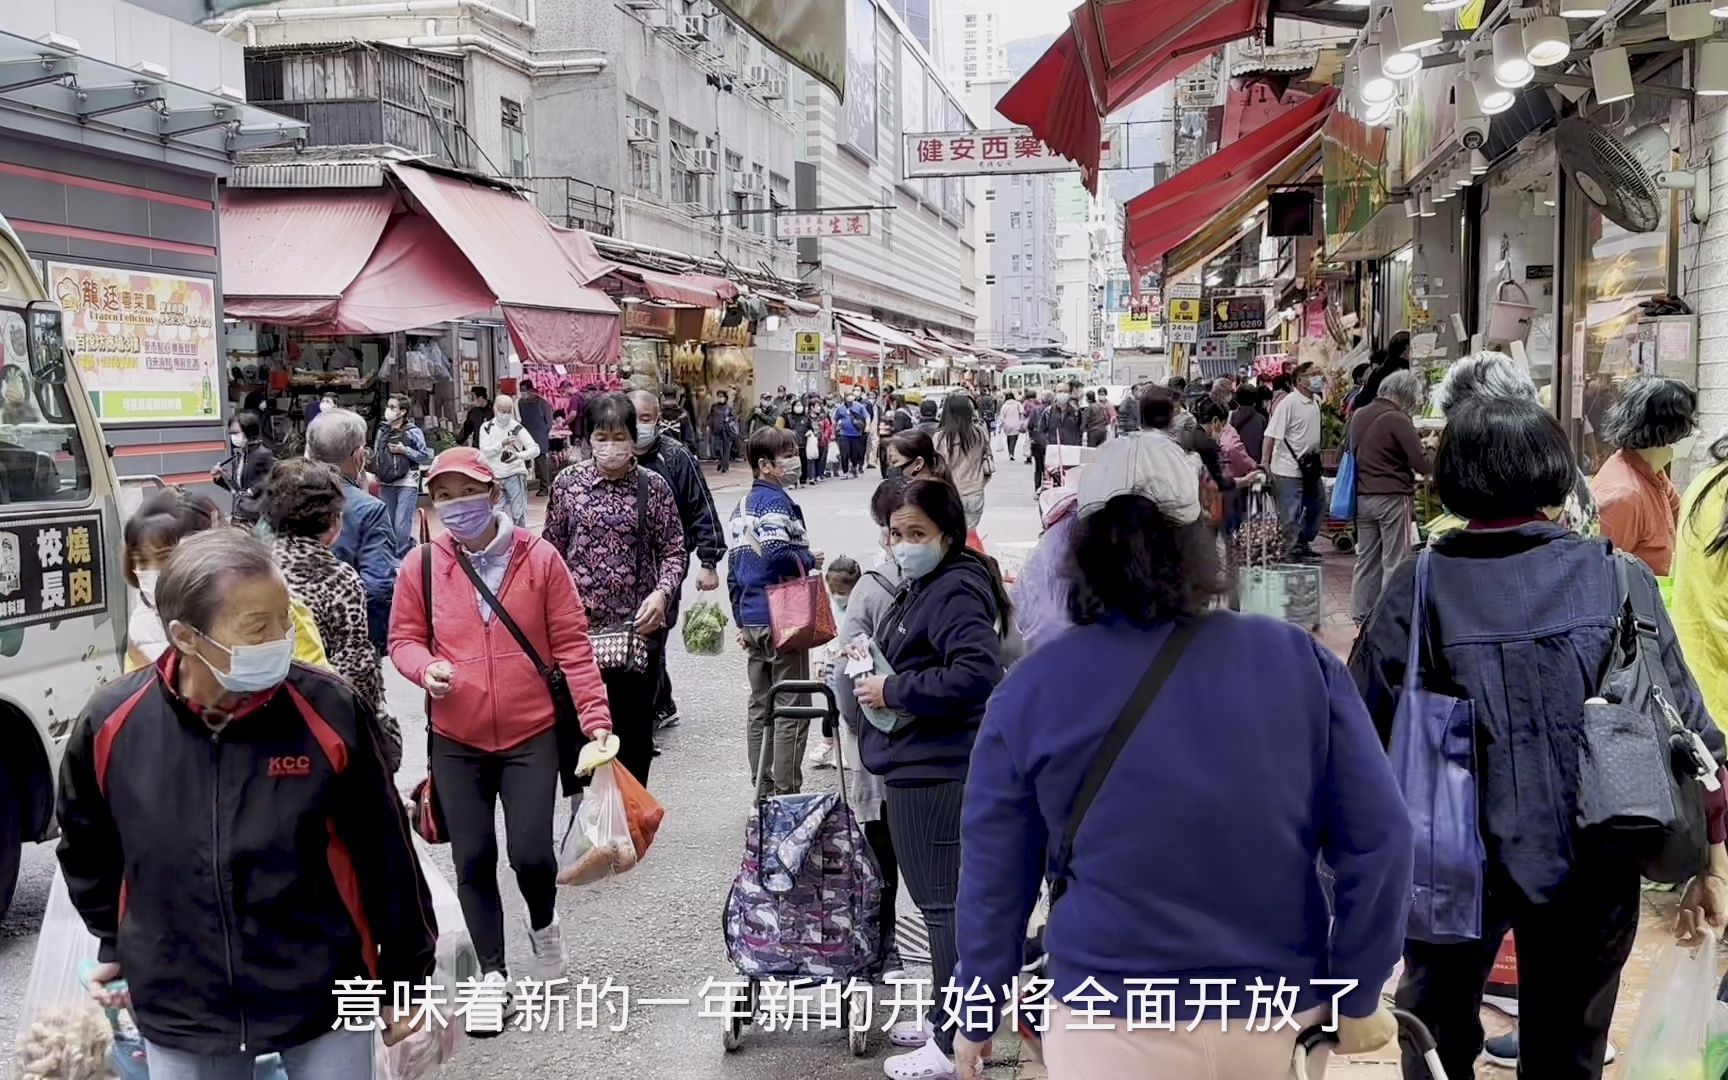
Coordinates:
(911, 1033)
(928, 1062)
(547, 944)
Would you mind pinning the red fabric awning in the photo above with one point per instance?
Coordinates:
(287, 256)
(1174, 211)
(590, 265)
(415, 278)
(1113, 52)
(697, 290)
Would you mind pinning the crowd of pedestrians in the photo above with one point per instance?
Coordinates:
(1173, 824)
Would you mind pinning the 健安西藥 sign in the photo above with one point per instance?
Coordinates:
(144, 342)
(981, 153)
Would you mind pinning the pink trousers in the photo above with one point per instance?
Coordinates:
(1115, 1053)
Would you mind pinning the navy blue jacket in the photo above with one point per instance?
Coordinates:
(941, 639)
(1197, 859)
(367, 542)
(1520, 622)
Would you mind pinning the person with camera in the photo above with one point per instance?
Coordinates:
(398, 455)
(508, 447)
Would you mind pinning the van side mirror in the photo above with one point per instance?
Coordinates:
(46, 325)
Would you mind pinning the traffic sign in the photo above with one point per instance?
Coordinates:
(809, 351)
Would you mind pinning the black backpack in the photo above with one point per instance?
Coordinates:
(386, 466)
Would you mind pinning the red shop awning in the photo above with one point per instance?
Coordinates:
(1176, 210)
(415, 278)
(696, 290)
(1113, 52)
(288, 256)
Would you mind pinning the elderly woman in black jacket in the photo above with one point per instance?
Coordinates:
(942, 640)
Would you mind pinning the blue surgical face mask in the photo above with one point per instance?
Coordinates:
(253, 668)
(1317, 385)
(466, 518)
(916, 560)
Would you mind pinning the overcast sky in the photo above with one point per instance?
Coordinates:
(1030, 18)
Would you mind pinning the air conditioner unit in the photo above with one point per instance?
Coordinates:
(656, 18)
(695, 28)
(748, 184)
(774, 89)
(701, 159)
(758, 75)
(643, 129)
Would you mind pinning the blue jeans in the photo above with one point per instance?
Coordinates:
(345, 1054)
(1298, 509)
(515, 490)
(401, 502)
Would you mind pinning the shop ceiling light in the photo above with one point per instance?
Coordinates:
(1582, 9)
(1478, 163)
(1443, 5)
(1611, 74)
(1417, 26)
(1461, 176)
(1547, 41)
(1374, 87)
(1512, 69)
(1412, 207)
(1395, 62)
(1380, 113)
(1355, 3)
(1491, 97)
(1719, 10)
(1689, 22)
(1425, 204)
(1710, 73)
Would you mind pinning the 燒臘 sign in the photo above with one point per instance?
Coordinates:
(1238, 314)
(144, 342)
(51, 569)
(801, 225)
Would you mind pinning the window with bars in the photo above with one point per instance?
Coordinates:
(735, 202)
(644, 151)
(682, 142)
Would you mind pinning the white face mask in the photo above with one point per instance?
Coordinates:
(237, 440)
(147, 585)
(613, 455)
(253, 668)
(392, 415)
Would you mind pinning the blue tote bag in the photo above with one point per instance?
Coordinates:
(1434, 758)
(1344, 489)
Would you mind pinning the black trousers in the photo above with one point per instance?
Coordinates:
(882, 845)
(631, 695)
(924, 822)
(1037, 466)
(1012, 439)
(470, 784)
(1570, 952)
(852, 453)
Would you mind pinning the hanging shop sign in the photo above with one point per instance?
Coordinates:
(789, 226)
(648, 320)
(807, 353)
(1429, 122)
(1238, 314)
(1135, 321)
(1353, 168)
(51, 569)
(998, 150)
(145, 343)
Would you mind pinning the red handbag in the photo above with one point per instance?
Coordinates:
(799, 615)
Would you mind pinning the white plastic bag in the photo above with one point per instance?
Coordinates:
(1673, 1025)
(597, 842)
(813, 446)
(63, 944)
(420, 1054)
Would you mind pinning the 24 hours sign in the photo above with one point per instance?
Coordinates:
(51, 569)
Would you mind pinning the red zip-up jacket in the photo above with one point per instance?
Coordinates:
(498, 699)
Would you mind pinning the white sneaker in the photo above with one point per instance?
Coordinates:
(821, 756)
(911, 1032)
(494, 987)
(927, 1062)
(547, 944)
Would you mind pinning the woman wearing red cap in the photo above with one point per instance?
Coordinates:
(491, 714)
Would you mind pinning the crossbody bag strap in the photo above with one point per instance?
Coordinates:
(497, 606)
(431, 635)
(1127, 722)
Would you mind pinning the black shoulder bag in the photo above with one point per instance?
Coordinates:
(1640, 768)
(1056, 871)
(566, 724)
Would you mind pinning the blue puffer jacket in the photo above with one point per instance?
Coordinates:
(1520, 622)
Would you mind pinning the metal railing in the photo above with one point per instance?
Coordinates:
(573, 203)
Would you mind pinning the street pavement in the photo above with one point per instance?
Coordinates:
(656, 930)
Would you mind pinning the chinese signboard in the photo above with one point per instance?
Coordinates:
(808, 356)
(981, 153)
(1353, 164)
(1238, 314)
(1183, 309)
(647, 320)
(790, 225)
(1135, 321)
(51, 569)
(145, 343)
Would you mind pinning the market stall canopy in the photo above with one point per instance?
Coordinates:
(1175, 211)
(1113, 52)
(590, 265)
(554, 317)
(694, 290)
(874, 331)
(415, 278)
(288, 256)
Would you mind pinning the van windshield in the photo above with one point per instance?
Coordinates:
(42, 460)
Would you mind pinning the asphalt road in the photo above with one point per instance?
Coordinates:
(655, 930)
